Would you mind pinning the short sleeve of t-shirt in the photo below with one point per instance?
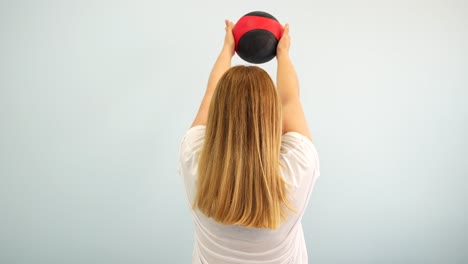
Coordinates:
(192, 143)
(190, 147)
(300, 167)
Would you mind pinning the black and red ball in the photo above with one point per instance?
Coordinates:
(257, 35)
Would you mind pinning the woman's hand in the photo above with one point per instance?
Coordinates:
(229, 43)
(284, 43)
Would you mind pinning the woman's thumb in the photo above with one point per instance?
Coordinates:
(286, 29)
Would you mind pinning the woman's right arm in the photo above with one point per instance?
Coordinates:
(288, 88)
(222, 64)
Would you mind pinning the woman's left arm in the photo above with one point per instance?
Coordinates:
(222, 64)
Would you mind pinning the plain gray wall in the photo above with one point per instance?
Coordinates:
(96, 96)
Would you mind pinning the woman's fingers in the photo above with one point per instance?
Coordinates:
(284, 43)
(229, 42)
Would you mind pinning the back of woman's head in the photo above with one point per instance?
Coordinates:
(239, 181)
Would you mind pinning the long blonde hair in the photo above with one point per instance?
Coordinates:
(239, 181)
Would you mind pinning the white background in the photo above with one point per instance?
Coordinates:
(95, 97)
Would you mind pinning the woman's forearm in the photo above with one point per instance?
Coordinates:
(288, 89)
(221, 65)
(286, 79)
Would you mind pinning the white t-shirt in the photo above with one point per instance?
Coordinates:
(218, 243)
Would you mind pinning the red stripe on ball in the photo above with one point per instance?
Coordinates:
(248, 23)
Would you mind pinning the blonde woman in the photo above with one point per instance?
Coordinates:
(249, 164)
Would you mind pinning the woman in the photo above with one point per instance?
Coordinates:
(249, 164)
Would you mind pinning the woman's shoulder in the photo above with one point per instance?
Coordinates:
(299, 158)
(294, 141)
(191, 142)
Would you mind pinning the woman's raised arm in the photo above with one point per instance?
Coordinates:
(222, 64)
(288, 88)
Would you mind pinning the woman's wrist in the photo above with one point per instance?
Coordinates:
(282, 56)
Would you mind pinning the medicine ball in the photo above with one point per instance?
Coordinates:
(256, 35)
